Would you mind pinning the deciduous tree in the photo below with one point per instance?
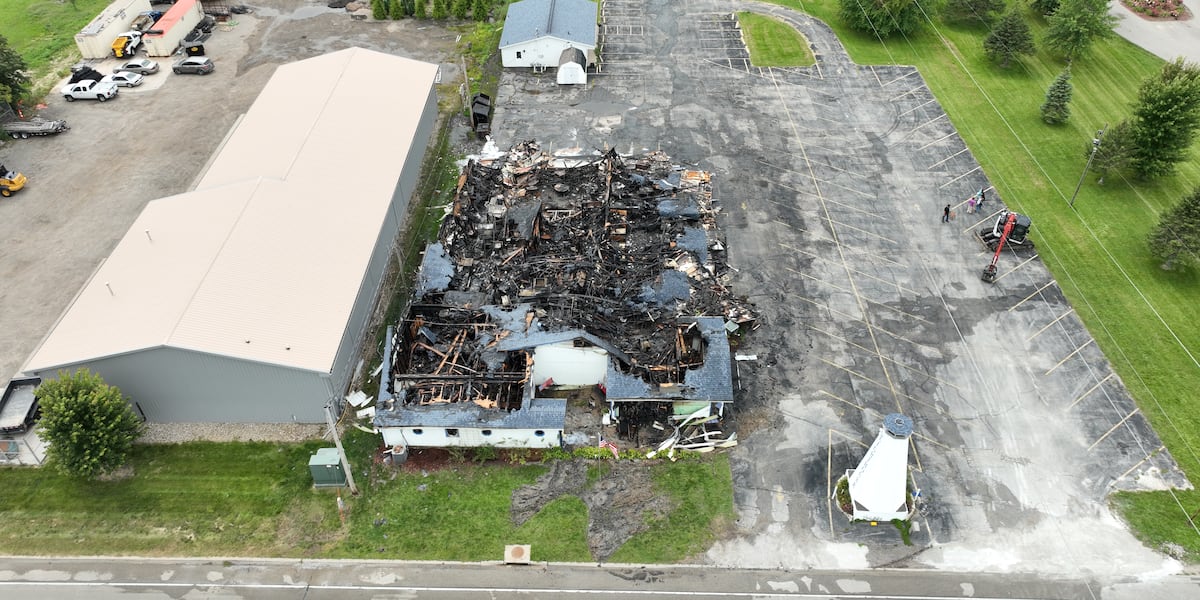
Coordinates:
(89, 426)
(480, 10)
(1176, 240)
(1115, 151)
(882, 18)
(1166, 119)
(1076, 25)
(1009, 39)
(12, 73)
(1057, 107)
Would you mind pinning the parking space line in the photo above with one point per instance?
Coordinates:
(788, 225)
(1026, 298)
(930, 440)
(866, 231)
(1089, 342)
(948, 135)
(897, 97)
(896, 394)
(841, 399)
(1021, 264)
(848, 189)
(977, 168)
(827, 307)
(1048, 325)
(991, 217)
(905, 76)
(1113, 428)
(887, 358)
(1090, 390)
(921, 105)
(940, 162)
(1140, 463)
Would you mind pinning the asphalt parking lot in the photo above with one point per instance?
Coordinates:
(86, 186)
(833, 180)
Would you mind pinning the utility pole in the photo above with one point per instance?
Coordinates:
(1088, 166)
(337, 441)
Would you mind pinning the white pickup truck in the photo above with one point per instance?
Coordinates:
(89, 89)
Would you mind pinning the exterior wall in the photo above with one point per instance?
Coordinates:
(368, 293)
(435, 437)
(95, 40)
(569, 365)
(572, 74)
(169, 385)
(169, 41)
(542, 52)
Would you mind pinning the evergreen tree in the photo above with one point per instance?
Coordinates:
(1009, 39)
(1166, 119)
(419, 12)
(89, 425)
(461, 9)
(1176, 240)
(1076, 24)
(379, 10)
(1115, 151)
(882, 18)
(13, 79)
(1056, 109)
(409, 6)
(1044, 7)
(972, 10)
(480, 10)
(395, 10)
(439, 9)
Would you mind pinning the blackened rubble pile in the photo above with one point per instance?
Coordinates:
(618, 258)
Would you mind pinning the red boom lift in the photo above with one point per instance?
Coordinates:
(1011, 228)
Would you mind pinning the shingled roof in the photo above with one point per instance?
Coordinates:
(570, 20)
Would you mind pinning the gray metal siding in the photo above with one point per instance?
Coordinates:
(173, 385)
(368, 293)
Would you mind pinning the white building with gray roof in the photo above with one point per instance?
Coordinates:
(536, 32)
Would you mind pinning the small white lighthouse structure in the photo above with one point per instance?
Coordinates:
(879, 486)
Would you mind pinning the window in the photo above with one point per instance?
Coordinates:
(418, 431)
(451, 433)
(540, 433)
(486, 432)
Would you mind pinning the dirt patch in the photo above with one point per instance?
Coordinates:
(621, 503)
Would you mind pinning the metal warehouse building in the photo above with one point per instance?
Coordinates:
(247, 299)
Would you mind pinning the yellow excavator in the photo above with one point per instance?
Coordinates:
(10, 181)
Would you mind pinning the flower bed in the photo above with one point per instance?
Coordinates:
(1159, 9)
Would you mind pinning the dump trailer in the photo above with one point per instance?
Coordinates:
(34, 126)
(11, 181)
(127, 44)
(18, 405)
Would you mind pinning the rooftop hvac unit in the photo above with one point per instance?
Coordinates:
(516, 554)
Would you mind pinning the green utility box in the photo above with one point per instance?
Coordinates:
(326, 468)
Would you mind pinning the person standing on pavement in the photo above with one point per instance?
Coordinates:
(946, 214)
(982, 197)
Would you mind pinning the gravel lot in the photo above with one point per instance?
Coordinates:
(88, 185)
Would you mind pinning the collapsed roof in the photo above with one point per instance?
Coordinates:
(616, 253)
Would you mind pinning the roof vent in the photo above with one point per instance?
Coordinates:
(898, 425)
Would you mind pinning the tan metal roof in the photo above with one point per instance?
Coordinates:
(265, 259)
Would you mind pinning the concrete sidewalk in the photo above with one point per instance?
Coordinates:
(1165, 39)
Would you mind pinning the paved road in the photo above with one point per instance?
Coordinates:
(60, 579)
(1165, 39)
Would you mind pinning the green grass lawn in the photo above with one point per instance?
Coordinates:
(200, 499)
(256, 499)
(1138, 313)
(773, 43)
(40, 29)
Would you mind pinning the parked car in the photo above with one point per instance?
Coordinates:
(198, 65)
(142, 66)
(89, 89)
(125, 78)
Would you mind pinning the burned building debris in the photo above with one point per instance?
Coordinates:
(553, 278)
